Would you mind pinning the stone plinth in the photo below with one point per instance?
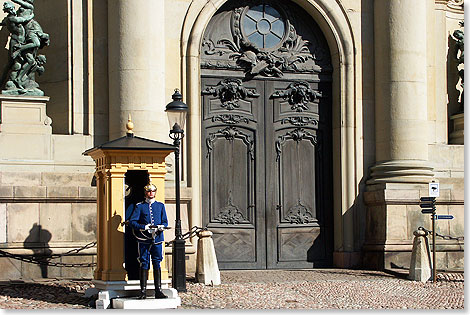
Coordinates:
(125, 292)
(24, 114)
(420, 266)
(393, 214)
(149, 303)
(207, 270)
(24, 124)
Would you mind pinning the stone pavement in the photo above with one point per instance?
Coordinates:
(267, 289)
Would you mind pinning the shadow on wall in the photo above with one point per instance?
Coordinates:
(453, 79)
(38, 241)
(4, 58)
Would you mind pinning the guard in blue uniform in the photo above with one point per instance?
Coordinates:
(148, 219)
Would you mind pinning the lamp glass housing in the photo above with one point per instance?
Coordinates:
(178, 118)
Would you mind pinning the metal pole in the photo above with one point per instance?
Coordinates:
(178, 233)
(179, 263)
(434, 247)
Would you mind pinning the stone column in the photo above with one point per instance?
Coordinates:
(136, 68)
(400, 92)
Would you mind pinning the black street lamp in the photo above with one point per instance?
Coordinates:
(177, 111)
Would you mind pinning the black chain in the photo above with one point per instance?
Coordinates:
(45, 261)
(194, 230)
(446, 237)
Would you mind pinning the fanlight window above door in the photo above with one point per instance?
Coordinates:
(264, 38)
(263, 26)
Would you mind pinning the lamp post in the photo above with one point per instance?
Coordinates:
(176, 111)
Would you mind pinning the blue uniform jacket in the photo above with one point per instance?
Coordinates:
(143, 215)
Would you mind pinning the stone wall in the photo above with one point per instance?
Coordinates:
(394, 214)
(46, 213)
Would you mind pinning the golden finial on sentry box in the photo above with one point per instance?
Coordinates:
(130, 126)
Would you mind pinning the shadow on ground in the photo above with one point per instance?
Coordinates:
(70, 293)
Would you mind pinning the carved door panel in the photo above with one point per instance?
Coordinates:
(298, 222)
(233, 152)
(266, 173)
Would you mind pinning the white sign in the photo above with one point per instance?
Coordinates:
(433, 189)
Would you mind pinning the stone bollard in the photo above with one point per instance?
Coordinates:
(420, 266)
(207, 269)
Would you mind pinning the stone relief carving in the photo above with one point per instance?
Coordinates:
(26, 38)
(230, 133)
(299, 214)
(290, 56)
(298, 95)
(297, 135)
(230, 91)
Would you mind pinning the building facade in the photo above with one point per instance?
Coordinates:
(314, 127)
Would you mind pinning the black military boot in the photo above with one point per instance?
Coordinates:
(144, 273)
(157, 278)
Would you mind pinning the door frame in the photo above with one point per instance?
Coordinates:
(346, 112)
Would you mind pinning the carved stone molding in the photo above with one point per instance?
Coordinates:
(230, 133)
(298, 94)
(230, 119)
(456, 4)
(230, 91)
(290, 55)
(297, 135)
(299, 214)
(299, 121)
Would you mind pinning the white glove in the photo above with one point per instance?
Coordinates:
(160, 227)
(147, 227)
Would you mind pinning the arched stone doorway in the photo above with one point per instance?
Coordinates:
(266, 137)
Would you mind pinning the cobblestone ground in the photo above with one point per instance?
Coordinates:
(267, 289)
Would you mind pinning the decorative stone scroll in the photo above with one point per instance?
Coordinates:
(287, 51)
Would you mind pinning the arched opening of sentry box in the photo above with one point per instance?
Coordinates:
(134, 182)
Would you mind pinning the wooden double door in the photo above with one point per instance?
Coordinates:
(267, 171)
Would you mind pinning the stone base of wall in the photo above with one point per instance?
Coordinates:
(46, 212)
(393, 214)
(381, 260)
(13, 269)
